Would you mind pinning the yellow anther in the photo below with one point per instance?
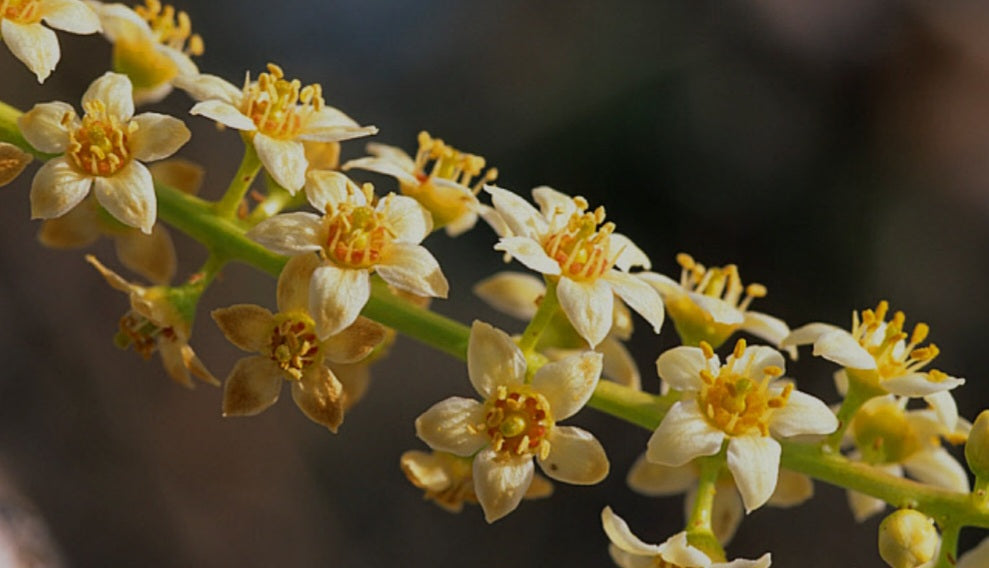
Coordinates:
(756, 290)
(773, 371)
(580, 203)
(739, 350)
(707, 350)
(685, 260)
(920, 332)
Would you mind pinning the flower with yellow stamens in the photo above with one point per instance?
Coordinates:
(742, 403)
(441, 178)
(276, 115)
(583, 255)
(879, 354)
(34, 44)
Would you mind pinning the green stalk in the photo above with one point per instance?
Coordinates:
(700, 533)
(250, 165)
(547, 309)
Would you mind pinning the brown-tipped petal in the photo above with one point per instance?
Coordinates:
(173, 360)
(112, 278)
(150, 255)
(78, 228)
(247, 326)
(196, 366)
(12, 162)
(183, 175)
(355, 379)
(253, 385)
(319, 396)
(355, 342)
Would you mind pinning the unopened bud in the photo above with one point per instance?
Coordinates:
(907, 539)
(977, 447)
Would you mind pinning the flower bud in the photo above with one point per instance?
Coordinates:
(907, 539)
(977, 447)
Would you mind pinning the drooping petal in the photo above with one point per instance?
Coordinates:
(406, 217)
(630, 256)
(129, 195)
(808, 334)
(223, 113)
(943, 404)
(285, 160)
(802, 414)
(43, 126)
(792, 489)
(622, 537)
(292, 292)
(683, 435)
(727, 510)
(158, 136)
(383, 166)
(152, 256)
(523, 219)
(553, 204)
(678, 552)
(332, 125)
(665, 285)
(57, 188)
(69, 15)
(569, 383)
(920, 384)
(392, 154)
(247, 326)
(767, 327)
(529, 253)
(639, 296)
(840, 347)
(206, 87)
(355, 342)
(513, 293)
(589, 307)
(173, 357)
(115, 92)
(500, 484)
(624, 559)
(35, 45)
(754, 462)
(939, 468)
(253, 386)
(619, 365)
(451, 426)
(13, 160)
(289, 233)
(414, 269)
(720, 311)
(681, 367)
(79, 227)
(336, 297)
(493, 359)
(319, 395)
(575, 457)
(657, 480)
(326, 190)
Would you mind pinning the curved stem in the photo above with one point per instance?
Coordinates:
(947, 556)
(699, 530)
(547, 309)
(250, 165)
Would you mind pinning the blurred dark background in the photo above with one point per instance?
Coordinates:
(836, 151)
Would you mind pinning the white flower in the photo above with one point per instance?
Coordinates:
(517, 421)
(741, 402)
(708, 304)
(34, 44)
(445, 191)
(356, 235)
(277, 115)
(102, 150)
(877, 353)
(628, 551)
(564, 242)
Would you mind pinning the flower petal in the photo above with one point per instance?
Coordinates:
(285, 161)
(77, 228)
(500, 484)
(129, 195)
(70, 15)
(522, 218)
(355, 342)
(158, 136)
(808, 334)
(223, 113)
(678, 552)
(589, 307)
(247, 326)
(414, 269)
(630, 256)
(410, 221)
(727, 510)
(326, 190)
(207, 87)
(451, 426)
(802, 414)
(621, 535)
(336, 297)
(289, 233)
(529, 253)
(575, 456)
(792, 489)
(639, 296)
(939, 468)
(773, 330)
(384, 166)
(513, 293)
(665, 285)
(57, 188)
(683, 435)
(976, 557)
(919, 384)
(35, 45)
(655, 480)
(569, 383)
(332, 125)
(319, 395)
(681, 367)
(393, 154)
(293, 283)
(840, 347)
(152, 256)
(115, 92)
(253, 385)
(720, 311)
(493, 359)
(754, 462)
(619, 365)
(43, 126)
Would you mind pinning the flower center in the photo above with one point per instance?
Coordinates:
(20, 11)
(100, 146)
(722, 283)
(883, 433)
(518, 421)
(583, 249)
(280, 108)
(736, 402)
(356, 235)
(887, 343)
(170, 28)
(140, 333)
(293, 345)
(449, 163)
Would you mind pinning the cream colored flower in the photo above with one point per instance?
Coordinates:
(628, 551)
(356, 235)
(13, 160)
(740, 402)
(708, 304)
(445, 190)
(517, 421)
(155, 323)
(102, 150)
(288, 350)
(877, 353)
(277, 115)
(152, 45)
(34, 44)
(569, 245)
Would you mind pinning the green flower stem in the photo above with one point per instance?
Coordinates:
(250, 165)
(859, 392)
(948, 555)
(699, 531)
(277, 200)
(547, 309)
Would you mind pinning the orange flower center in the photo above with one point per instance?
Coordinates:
(583, 249)
(170, 28)
(20, 11)
(100, 146)
(293, 345)
(280, 108)
(518, 421)
(356, 235)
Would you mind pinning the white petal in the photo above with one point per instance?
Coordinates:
(681, 367)
(657, 480)
(792, 489)
(575, 456)
(589, 307)
(553, 204)
(513, 293)
(840, 347)
(721, 311)
(639, 296)
(619, 365)
(332, 125)
(864, 506)
(393, 154)
(569, 383)
(118, 20)
(808, 334)
(407, 218)
(292, 291)
(754, 462)
(158, 136)
(57, 188)
(326, 190)
(802, 414)
(945, 408)
(383, 166)
(919, 384)
(42, 126)
(289, 233)
(224, 113)
(152, 256)
(757, 358)
(630, 256)
(450, 426)
(129, 195)
(529, 253)
(978, 557)
(939, 468)
(621, 535)
(522, 218)
(678, 552)
(665, 285)
(624, 559)
(412, 268)
(285, 160)
(115, 92)
(500, 483)
(70, 15)
(764, 326)
(493, 359)
(35, 45)
(336, 297)
(683, 435)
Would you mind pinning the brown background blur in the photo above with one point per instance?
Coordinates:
(836, 151)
